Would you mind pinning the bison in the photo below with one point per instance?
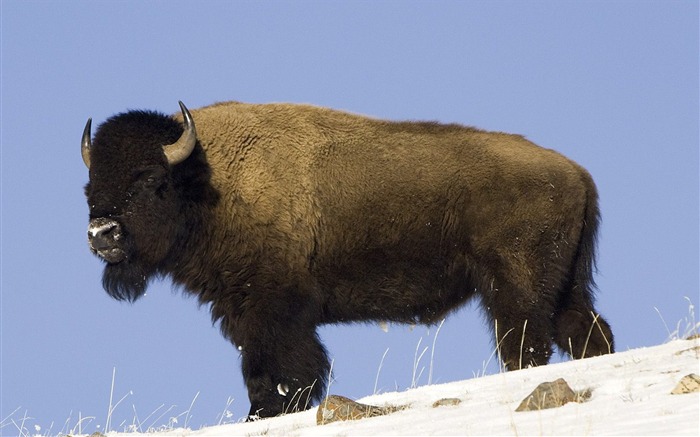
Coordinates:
(284, 217)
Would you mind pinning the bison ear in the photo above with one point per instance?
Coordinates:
(86, 143)
(182, 148)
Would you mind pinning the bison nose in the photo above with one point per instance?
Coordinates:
(102, 233)
(103, 236)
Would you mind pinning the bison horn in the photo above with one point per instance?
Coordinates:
(86, 143)
(181, 149)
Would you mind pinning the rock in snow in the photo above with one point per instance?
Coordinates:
(688, 384)
(552, 395)
(334, 408)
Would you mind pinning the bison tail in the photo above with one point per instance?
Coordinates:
(580, 330)
(585, 261)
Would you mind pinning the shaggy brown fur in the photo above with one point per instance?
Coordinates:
(286, 217)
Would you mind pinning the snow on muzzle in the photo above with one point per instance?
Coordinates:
(104, 235)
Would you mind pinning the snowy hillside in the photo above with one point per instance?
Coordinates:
(630, 395)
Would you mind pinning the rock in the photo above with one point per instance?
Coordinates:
(695, 350)
(552, 395)
(94, 434)
(688, 384)
(446, 401)
(335, 408)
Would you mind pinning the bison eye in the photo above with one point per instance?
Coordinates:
(148, 175)
(149, 179)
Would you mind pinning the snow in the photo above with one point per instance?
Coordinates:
(630, 396)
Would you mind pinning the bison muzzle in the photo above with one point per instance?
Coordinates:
(285, 217)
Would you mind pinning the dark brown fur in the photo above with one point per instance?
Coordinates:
(286, 217)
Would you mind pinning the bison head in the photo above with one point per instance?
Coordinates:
(132, 194)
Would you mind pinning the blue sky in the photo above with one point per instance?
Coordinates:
(611, 84)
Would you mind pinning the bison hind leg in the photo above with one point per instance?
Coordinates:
(522, 328)
(579, 330)
(582, 333)
(522, 342)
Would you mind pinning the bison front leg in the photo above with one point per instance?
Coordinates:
(285, 366)
(284, 373)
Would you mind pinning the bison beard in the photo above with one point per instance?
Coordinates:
(286, 217)
(126, 280)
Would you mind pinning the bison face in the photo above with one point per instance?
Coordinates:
(134, 206)
(132, 218)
